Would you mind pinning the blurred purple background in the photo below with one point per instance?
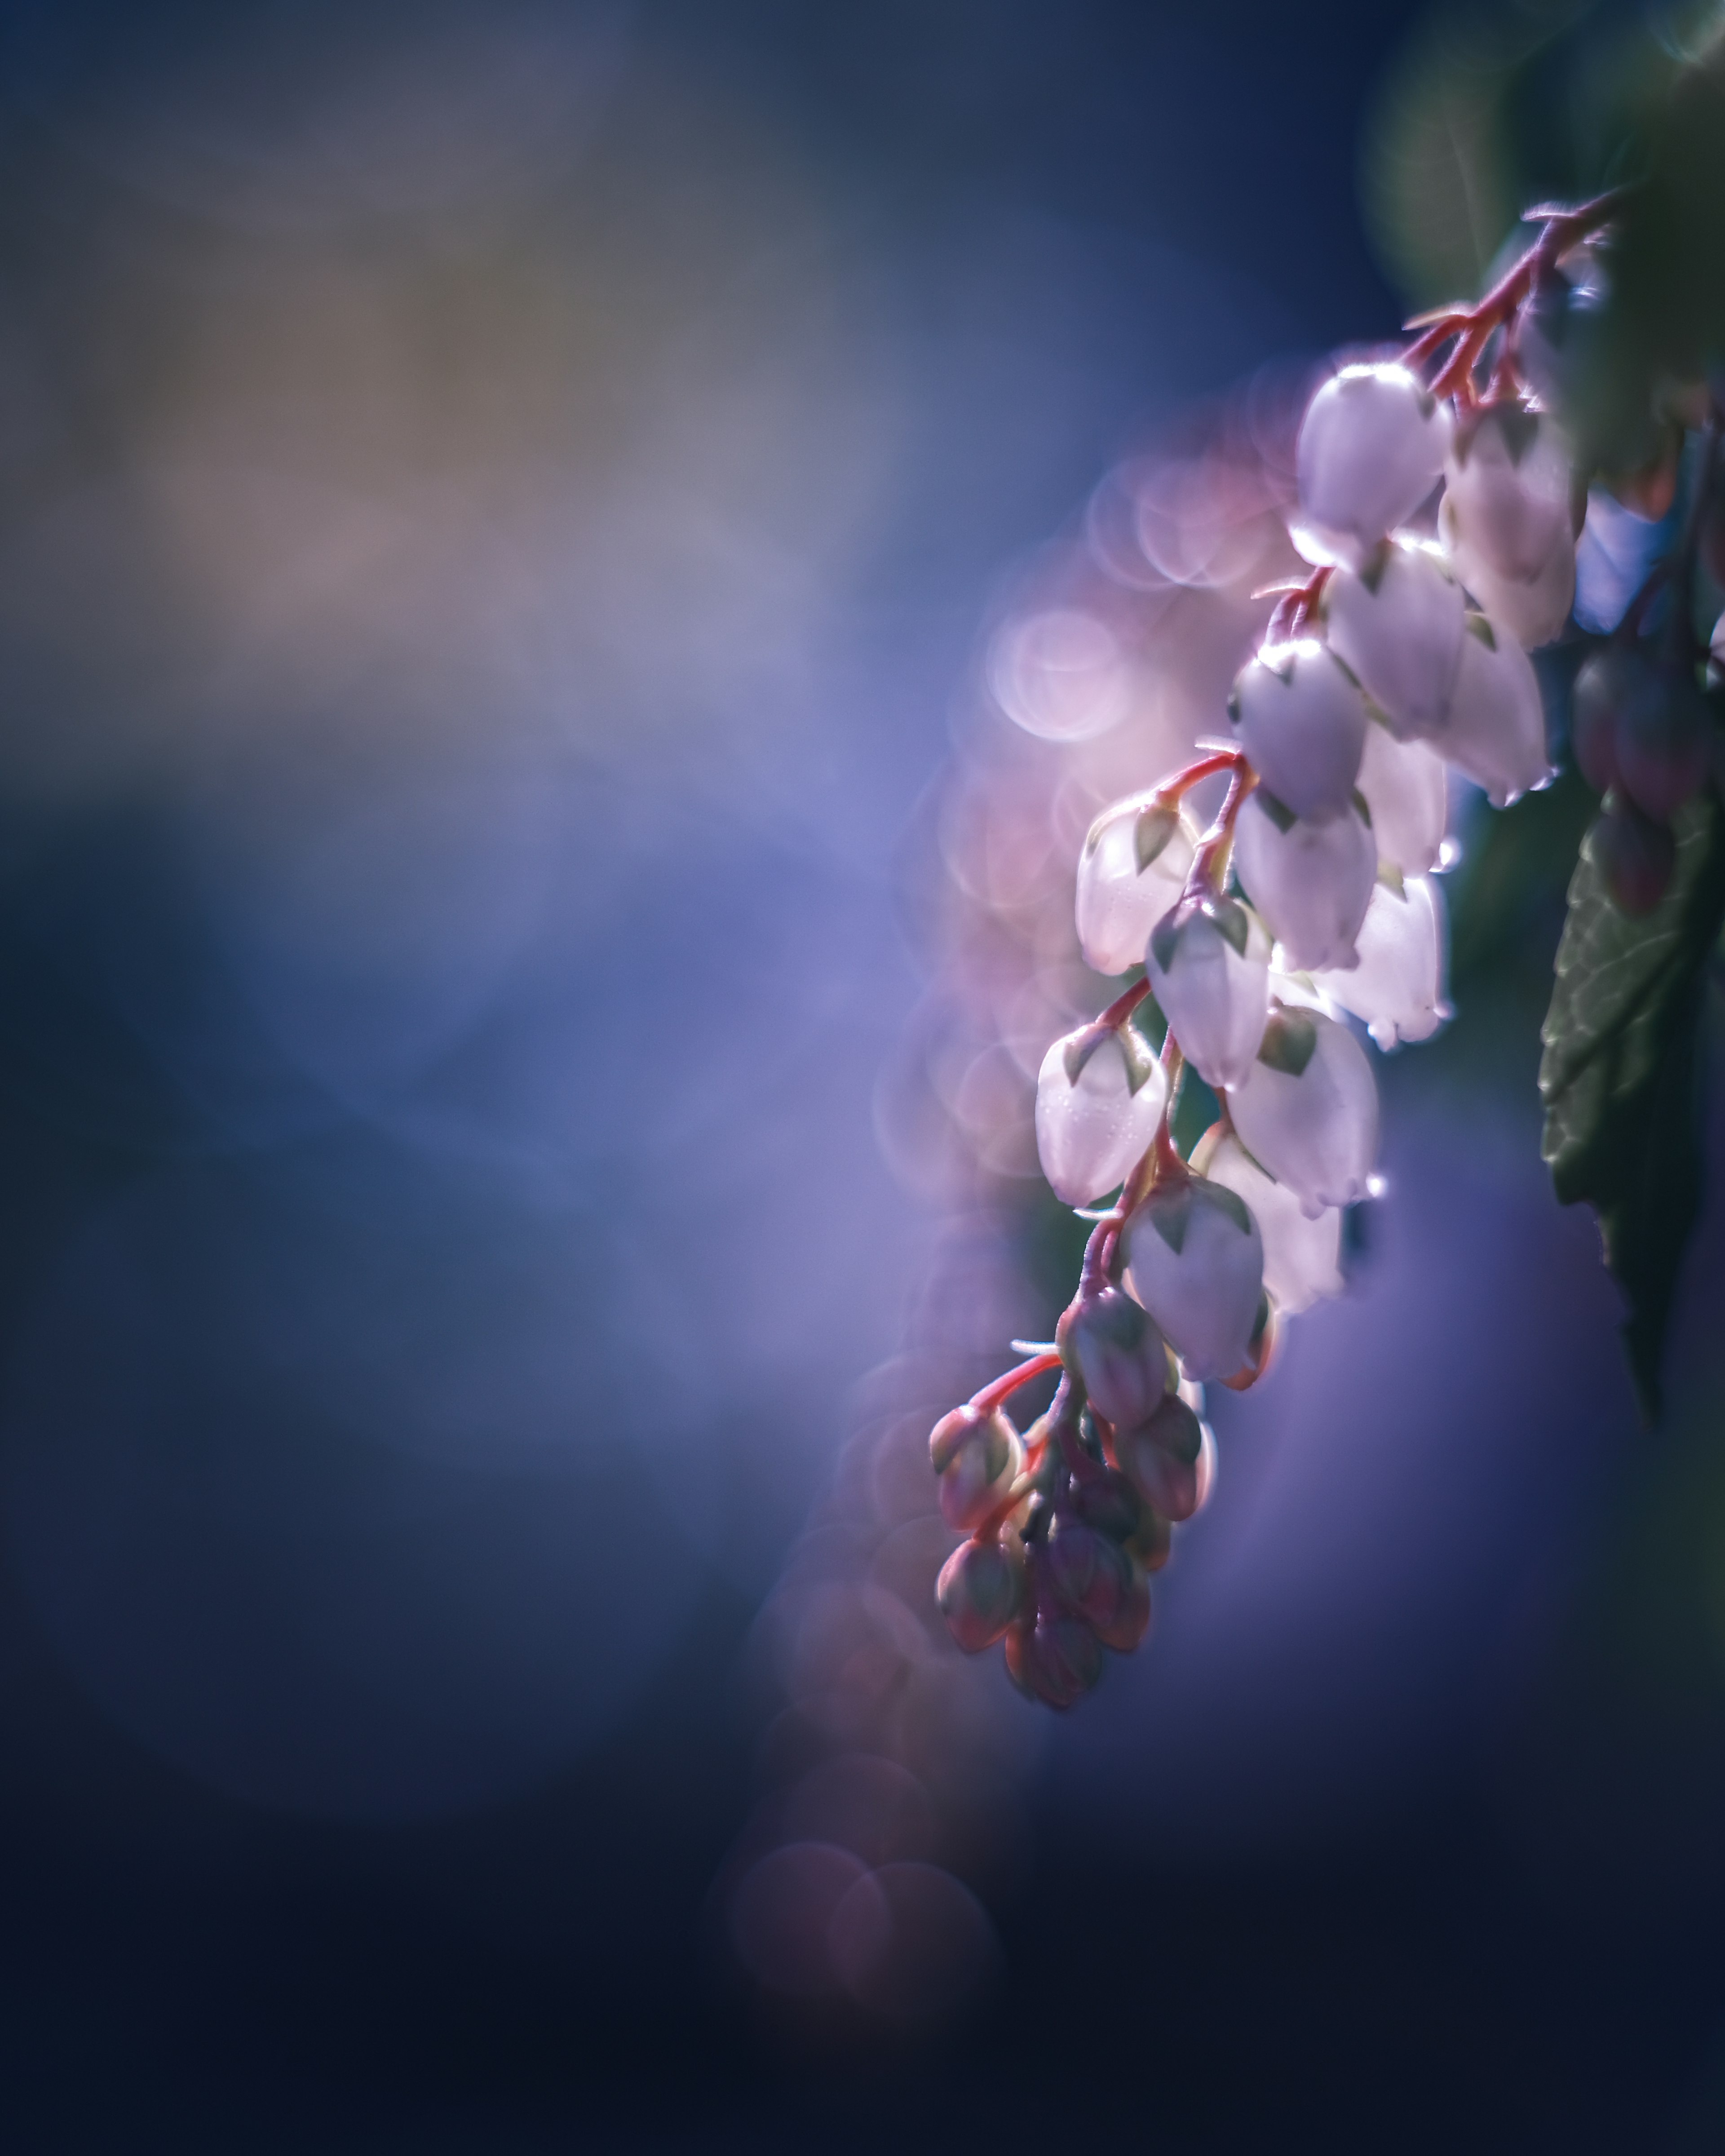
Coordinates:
(504, 517)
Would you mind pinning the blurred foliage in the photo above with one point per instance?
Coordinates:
(1489, 111)
(1619, 1073)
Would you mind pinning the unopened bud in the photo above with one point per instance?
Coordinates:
(1107, 1501)
(949, 1433)
(1131, 1620)
(1150, 1544)
(1635, 855)
(1112, 1344)
(1057, 1660)
(978, 1476)
(1160, 1459)
(981, 1589)
(1086, 1569)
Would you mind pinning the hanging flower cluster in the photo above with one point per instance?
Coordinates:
(1308, 902)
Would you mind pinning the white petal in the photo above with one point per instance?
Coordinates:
(1311, 879)
(1302, 1255)
(1508, 481)
(1215, 999)
(1496, 730)
(1119, 902)
(1091, 1134)
(1316, 1130)
(1398, 624)
(1302, 721)
(1204, 1296)
(1407, 790)
(1398, 987)
(1372, 442)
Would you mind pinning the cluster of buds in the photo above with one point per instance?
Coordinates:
(1307, 902)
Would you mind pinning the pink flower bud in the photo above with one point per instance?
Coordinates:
(1105, 1500)
(1057, 1660)
(980, 1472)
(1161, 1455)
(981, 1589)
(1300, 717)
(1131, 1619)
(1085, 1569)
(949, 1433)
(1150, 1544)
(1112, 1344)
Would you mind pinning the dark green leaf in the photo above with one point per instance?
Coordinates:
(1618, 1073)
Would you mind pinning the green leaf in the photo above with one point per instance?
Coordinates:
(1619, 1075)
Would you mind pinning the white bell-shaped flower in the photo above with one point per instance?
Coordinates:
(1495, 729)
(1195, 1260)
(1302, 1255)
(1508, 519)
(1133, 867)
(1300, 717)
(1308, 1112)
(1397, 989)
(1508, 490)
(1100, 1094)
(1208, 965)
(1372, 442)
(1407, 791)
(1396, 623)
(1533, 609)
(1312, 878)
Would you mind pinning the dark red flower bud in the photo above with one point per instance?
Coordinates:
(981, 1589)
(979, 1472)
(1112, 1344)
(1057, 1660)
(1635, 857)
(1086, 1571)
(949, 1433)
(1602, 687)
(1107, 1501)
(1665, 744)
(1152, 1543)
(1160, 1459)
(1131, 1620)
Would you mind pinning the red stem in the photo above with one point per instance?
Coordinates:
(1173, 789)
(1123, 1005)
(1003, 1387)
(1472, 328)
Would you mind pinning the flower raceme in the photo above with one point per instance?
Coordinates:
(1306, 910)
